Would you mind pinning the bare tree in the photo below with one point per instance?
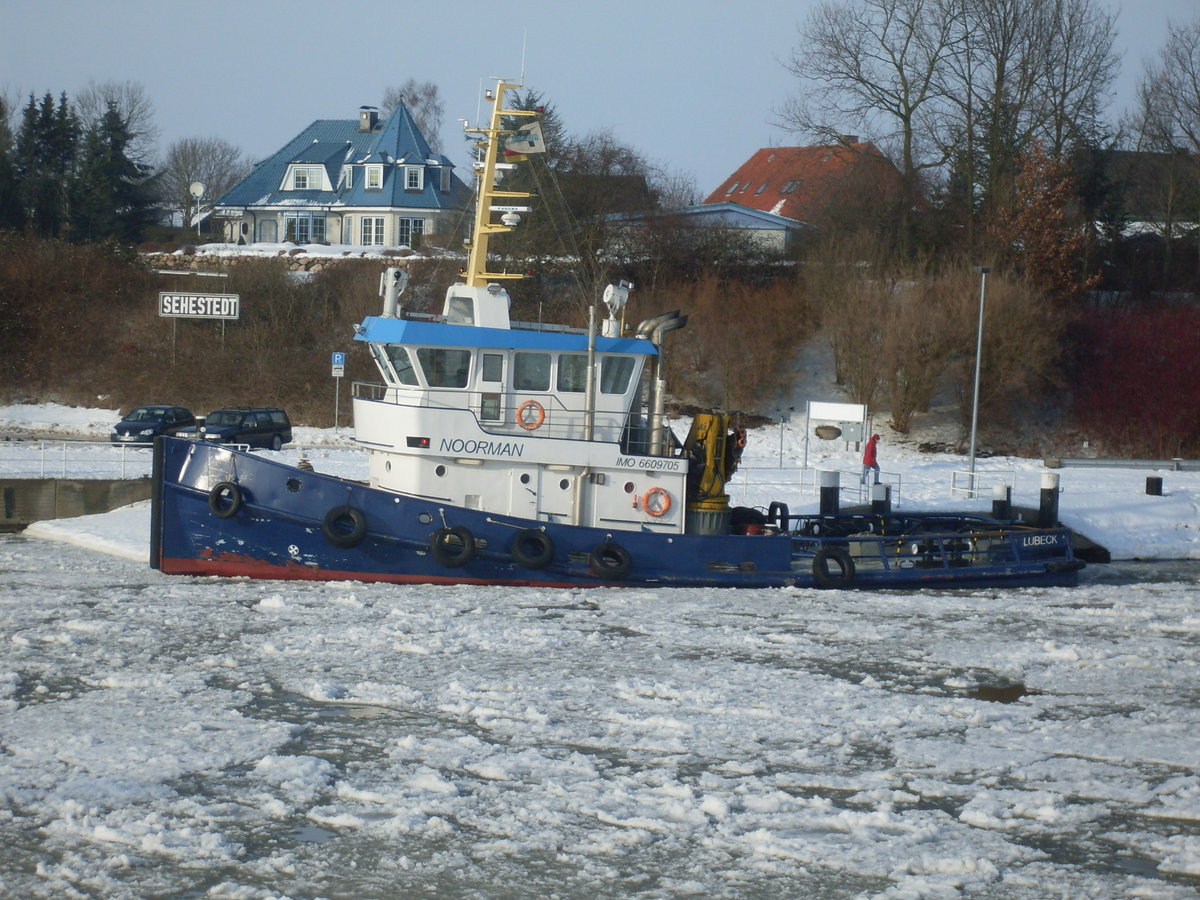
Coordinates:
(424, 103)
(134, 106)
(211, 162)
(876, 66)
(1169, 94)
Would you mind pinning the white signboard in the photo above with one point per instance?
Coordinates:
(199, 306)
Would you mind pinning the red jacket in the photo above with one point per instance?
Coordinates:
(869, 458)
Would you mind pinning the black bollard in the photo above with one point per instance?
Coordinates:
(1048, 510)
(1002, 502)
(1154, 485)
(829, 492)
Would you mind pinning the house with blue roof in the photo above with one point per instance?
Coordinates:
(365, 182)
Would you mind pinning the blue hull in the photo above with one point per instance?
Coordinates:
(222, 512)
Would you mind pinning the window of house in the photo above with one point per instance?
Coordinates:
(762, 187)
(372, 229)
(347, 178)
(414, 178)
(733, 187)
(409, 231)
(572, 372)
(374, 178)
(789, 186)
(444, 179)
(304, 228)
(615, 372)
(445, 366)
(306, 178)
(531, 371)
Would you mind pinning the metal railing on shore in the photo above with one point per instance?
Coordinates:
(77, 459)
(801, 480)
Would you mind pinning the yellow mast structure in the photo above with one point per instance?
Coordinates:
(492, 142)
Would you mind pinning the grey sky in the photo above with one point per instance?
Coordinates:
(692, 85)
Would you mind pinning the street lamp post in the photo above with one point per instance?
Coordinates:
(983, 274)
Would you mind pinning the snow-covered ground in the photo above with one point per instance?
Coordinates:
(223, 738)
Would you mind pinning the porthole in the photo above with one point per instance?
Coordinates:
(387, 466)
(425, 518)
(293, 484)
(525, 478)
(629, 487)
(564, 484)
(440, 471)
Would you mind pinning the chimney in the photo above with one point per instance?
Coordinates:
(368, 118)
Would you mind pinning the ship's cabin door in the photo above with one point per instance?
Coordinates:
(491, 387)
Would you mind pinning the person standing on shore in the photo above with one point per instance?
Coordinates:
(871, 459)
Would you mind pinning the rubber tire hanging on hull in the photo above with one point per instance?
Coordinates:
(610, 560)
(335, 526)
(452, 547)
(225, 499)
(825, 578)
(532, 549)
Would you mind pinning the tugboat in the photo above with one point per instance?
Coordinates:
(509, 453)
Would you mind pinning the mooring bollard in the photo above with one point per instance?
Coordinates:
(829, 481)
(881, 499)
(1048, 509)
(1001, 502)
(1154, 485)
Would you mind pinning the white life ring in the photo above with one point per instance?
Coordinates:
(539, 415)
(656, 502)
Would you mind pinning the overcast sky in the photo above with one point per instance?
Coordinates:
(692, 85)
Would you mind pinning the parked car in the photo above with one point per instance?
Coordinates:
(258, 427)
(145, 423)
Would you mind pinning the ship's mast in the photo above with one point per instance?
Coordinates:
(489, 199)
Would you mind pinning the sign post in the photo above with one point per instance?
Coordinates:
(339, 369)
(175, 306)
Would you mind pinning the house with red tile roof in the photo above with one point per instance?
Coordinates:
(816, 185)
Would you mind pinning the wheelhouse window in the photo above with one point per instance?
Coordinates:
(615, 372)
(414, 178)
(446, 367)
(403, 364)
(409, 231)
(572, 372)
(531, 371)
(493, 367)
(372, 229)
(374, 178)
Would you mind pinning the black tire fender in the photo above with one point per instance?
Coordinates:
(824, 575)
(610, 560)
(452, 547)
(532, 549)
(344, 526)
(225, 499)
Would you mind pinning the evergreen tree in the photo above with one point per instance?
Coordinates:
(45, 158)
(11, 215)
(111, 195)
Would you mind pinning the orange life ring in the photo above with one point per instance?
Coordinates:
(539, 412)
(656, 502)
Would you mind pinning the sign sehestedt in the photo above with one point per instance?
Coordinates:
(199, 306)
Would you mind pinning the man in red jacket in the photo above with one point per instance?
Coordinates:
(870, 460)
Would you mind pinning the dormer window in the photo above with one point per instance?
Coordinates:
(306, 178)
(374, 178)
(444, 179)
(347, 179)
(414, 178)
